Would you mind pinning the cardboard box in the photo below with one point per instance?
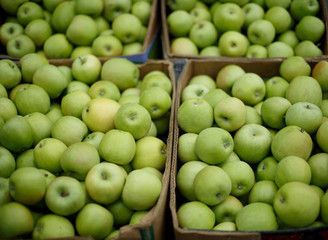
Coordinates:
(153, 34)
(166, 38)
(210, 67)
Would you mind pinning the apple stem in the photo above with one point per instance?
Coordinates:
(64, 194)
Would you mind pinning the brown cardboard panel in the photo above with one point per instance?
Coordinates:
(265, 69)
(152, 32)
(167, 41)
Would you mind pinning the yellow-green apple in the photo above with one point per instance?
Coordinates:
(133, 118)
(289, 37)
(16, 220)
(54, 111)
(142, 10)
(114, 8)
(196, 90)
(26, 159)
(137, 216)
(121, 213)
(261, 32)
(233, 44)
(306, 115)
(127, 27)
(77, 85)
(318, 164)
(250, 88)
(16, 134)
(203, 33)
(179, 23)
(228, 17)
(121, 71)
(107, 46)
(225, 226)
(257, 216)
(82, 36)
(29, 63)
(209, 51)
(53, 226)
(276, 86)
(252, 143)
(155, 78)
(112, 141)
(227, 75)
(279, 49)
(141, 190)
(11, 6)
(292, 168)
(280, 18)
(185, 178)
(252, 116)
(227, 210)
(11, 74)
(132, 48)
(41, 126)
(4, 191)
(252, 12)
(273, 111)
(302, 8)
(28, 11)
(94, 138)
(324, 209)
(78, 158)
(200, 14)
(212, 185)
(194, 115)
(67, 72)
(8, 163)
(38, 30)
(8, 108)
(106, 89)
(48, 176)
(94, 220)
(69, 130)
(307, 48)
(99, 114)
(263, 191)
(195, 215)
(27, 185)
(86, 68)
(74, 102)
(57, 46)
(304, 89)
(186, 5)
(297, 204)
(321, 136)
(186, 147)
(104, 182)
(9, 30)
(65, 196)
(3, 92)
(310, 28)
(62, 16)
(92, 8)
(282, 146)
(80, 51)
(214, 96)
(294, 66)
(230, 113)
(281, 3)
(319, 71)
(183, 45)
(256, 51)
(242, 177)
(204, 79)
(214, 145)
(102, 24)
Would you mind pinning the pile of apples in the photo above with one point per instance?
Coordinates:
(246, 28)
(70, 28)
(253, 152)
(83, 148)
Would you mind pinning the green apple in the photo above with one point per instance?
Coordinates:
(8, 108)
(280, 18)
(112, 141)
(121, 213)
(195, 215)
(114, 8)
(77, 85)
(102, 24)
(210, 51)
(307, 48)
(230, 113)
(291, 141)
(214, 145)
(179, 23)
(106, 89)
(27, 185)
(120, 71)
(156, 78)
(29, 11)
(196, 90)
(292, 168)
(319, 71)
(273, 111)
(132, 48)
(185, 178)
(41, 126)
(276, 86)
(204, 79)
(92, 8)
(15, 220)
(212, 185)
(289, 37)
(57, 46)
(250, 88)
(62, 16)
(82, 36)
(65, 196)
(142, 10)
(10, 6)
(306, 115)
(183, 46)
(133, 118)
(278, 49)
(225, 226)
(4, 191)
(38, 30)
(301, 8)
(263, 191)
(200, 14)
(10, 75)
(104, 182)
(261, 32)
(8, 163)
(50, 78)
(252, 143)
(16, 134)
(50, 5)
(252, 12)
(201, 29)
(94, 220)
(257, 216)
(137, 217)
(86, 68)
(53, 226)
(297, 204)
(310, 28)
(281, 3)
(227, 210)
(3, 92)
(20, 45)
(186, 147)
(186, 5)
(241, 175)
(99, 114)
(69, 130)
(54, 111)
(294, 66)
(9, 30)
(256, 51)
(94, 138)
(321, 136)
(252, 116)
(304, 89)
(127, 27)
(107, 46)
(233, 44)
(323, 210)
(73, 103)
(227, 75)
(228, 17)
(80, 51)
(29, 63)
(214, 96)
